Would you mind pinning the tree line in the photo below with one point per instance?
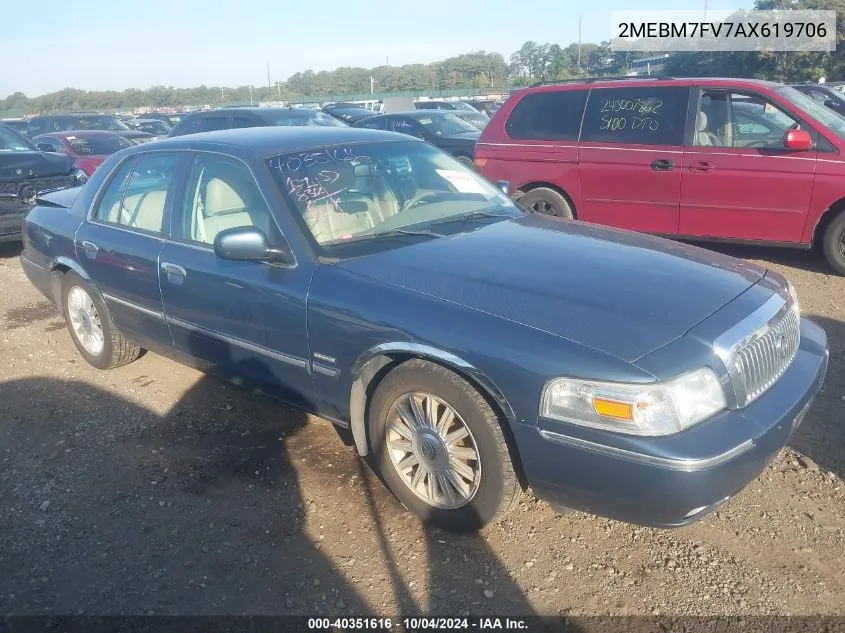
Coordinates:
(478, 70)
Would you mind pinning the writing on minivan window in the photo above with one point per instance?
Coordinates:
(631, 114)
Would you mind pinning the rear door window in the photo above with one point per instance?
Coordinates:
(548, 116)
(639, 115)
(213, 123)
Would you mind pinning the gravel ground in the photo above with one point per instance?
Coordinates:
(153, 489)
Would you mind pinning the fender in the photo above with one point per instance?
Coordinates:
(369, 363)
(57, 269)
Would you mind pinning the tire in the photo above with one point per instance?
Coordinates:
(474, 427)
(466, 161)
(546, 202)
(833, 244)
(91, 327)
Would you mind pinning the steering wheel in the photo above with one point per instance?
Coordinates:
(423, 195)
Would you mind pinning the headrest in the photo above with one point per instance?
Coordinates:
(701, 122)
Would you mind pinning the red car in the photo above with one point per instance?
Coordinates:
(88, 147)
(723, 159)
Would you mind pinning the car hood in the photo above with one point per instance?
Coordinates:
(133, 134)
(17, 165)
(464, 136)
(623, 293)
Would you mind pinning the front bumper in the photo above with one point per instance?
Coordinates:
(11, 224)
(675, 480)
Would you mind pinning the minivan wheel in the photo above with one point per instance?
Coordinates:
(91, 327)
(440, 447)
(466, 161)
(547, 202)
(834, 244)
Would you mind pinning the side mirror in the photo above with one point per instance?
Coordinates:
(504, 185)
(249, 244)
(45, 147)
(798, 140)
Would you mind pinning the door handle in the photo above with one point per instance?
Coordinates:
(173, 269)
(90, 249)
(701, 165)
(662, 165)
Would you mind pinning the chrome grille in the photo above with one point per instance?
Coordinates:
(39, 184)
(756, 360)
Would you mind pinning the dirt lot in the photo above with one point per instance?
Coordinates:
(155, 489)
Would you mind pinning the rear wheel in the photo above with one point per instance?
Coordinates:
(440, 447)
(91, 327)
(466, 161)
(546, 201)
(834, 244)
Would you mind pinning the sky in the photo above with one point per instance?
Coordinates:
(107, 45)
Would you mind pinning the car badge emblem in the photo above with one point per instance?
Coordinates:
(27, 194)
(780, 345)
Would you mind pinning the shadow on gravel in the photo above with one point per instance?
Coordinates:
(821, 436)
(811, 261)
(112, 508)
(10, 249)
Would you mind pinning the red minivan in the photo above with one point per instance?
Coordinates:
(722, 159)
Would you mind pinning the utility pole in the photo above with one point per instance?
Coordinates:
(579, 44)
(250, 94)
(372, 83)
(269, 83)
(221, 95)
(279, 88)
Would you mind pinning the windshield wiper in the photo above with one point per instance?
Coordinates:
(473, 215)
(384, 234)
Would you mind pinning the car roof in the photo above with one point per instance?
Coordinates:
(257, 110)
(79, 133)
(416, 114)
(652, 81)
(273, 140)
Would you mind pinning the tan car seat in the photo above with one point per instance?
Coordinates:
(703, 136)
(231, 200)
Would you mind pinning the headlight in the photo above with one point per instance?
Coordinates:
(79, 177)
(646, 409)
(794, 295)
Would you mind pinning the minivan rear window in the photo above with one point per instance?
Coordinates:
(638, 116)
(550, 116)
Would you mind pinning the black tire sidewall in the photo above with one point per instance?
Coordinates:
(832, 239)
(487, 501)
(103, 360)
(561, 204)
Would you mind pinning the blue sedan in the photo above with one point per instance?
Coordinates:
(472, 349)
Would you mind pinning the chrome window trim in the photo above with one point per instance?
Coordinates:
(667, 463)
(134, 306)
(250, 347)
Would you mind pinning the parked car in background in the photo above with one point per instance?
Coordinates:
(25, 173)
(371, 279)
(89, 148)
(718, 159)
(172, 119)
(347, 114)
(156, 127)
(227, 118)
(486, 106)
(18, 125)
(440, 128)
(45, 123)
(461, 109)
(824, 94)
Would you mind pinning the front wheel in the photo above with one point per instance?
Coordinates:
(440, 447)
(91, 327)
(834, 244)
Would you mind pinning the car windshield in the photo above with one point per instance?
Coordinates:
(98, 145)
(105, 122)
(445, 124)
(319, 119)
(827, 117)
(364, 192)
(11, 141)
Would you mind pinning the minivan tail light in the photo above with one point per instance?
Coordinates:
(480, 162)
